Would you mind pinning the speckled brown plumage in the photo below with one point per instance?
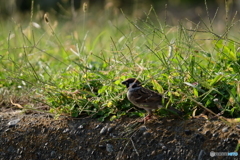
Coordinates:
(142, 97)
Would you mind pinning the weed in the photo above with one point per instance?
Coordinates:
(79, 71)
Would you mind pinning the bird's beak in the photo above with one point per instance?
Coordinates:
(123, 82)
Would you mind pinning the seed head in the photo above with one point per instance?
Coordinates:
(85, 7)
(46, 19)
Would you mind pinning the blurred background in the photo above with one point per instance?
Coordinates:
(71, 9)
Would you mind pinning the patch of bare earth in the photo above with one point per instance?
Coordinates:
(43, 137)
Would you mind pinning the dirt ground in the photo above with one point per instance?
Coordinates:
(41, 136)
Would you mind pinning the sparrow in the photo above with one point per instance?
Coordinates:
(143, 97)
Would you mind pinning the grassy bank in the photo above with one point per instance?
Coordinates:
(76, 67)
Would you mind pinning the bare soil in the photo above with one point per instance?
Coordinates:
(44, 137)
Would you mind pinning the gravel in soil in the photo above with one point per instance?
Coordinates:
(43, 137)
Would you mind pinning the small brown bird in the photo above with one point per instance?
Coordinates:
(143, 97)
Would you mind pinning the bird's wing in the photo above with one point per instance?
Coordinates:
(146, 96)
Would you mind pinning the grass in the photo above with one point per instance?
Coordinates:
(77, 68)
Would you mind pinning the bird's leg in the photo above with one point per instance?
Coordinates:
(145, 118)
(149, 116)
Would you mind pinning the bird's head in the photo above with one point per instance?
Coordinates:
(131, 82)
